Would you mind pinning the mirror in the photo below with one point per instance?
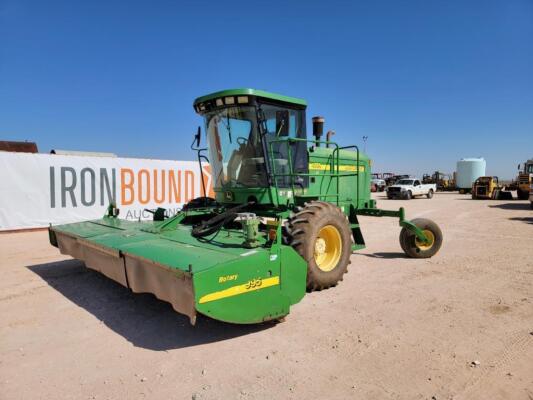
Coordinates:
(198, 136)
(282, 123)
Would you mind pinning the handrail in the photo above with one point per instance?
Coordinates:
(334, 165)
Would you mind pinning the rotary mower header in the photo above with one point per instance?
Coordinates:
(284, 219)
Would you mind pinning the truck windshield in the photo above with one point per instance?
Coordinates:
(235, 151)
(405, 182)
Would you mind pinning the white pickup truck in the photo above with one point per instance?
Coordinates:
(409, 188)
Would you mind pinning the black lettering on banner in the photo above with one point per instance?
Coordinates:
(52, 188)
(70, 188)
(83, 183)
(111, 189)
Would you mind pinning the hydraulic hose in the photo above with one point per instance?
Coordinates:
(212, 225)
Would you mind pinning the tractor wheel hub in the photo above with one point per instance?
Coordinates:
(320, 246)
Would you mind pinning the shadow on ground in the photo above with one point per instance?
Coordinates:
(527, 220)
(142, 319)
(512, 206)
(384, 255)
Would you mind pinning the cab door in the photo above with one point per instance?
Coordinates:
(417, 189)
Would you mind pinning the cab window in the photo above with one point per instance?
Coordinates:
(283, 123)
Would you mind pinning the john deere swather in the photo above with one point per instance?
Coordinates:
(284, 218)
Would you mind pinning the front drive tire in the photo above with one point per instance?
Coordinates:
(321, 234)
(408, 195)
(416, 249)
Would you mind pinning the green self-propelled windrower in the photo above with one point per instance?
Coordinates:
(283, 220)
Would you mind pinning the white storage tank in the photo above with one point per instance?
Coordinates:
(468, 170)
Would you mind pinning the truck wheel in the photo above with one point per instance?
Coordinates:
(408, 195)
(417, 249)
(321, 234)
(389, 196)
(430, 194)
(522, 194)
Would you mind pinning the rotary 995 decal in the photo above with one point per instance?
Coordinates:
(251, 285)
(222, 279)
(254, 283)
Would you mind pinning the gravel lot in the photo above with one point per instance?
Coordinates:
(459, 325)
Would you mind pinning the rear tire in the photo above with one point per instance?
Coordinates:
(522, 194)
(416, 249)
(430, 194)
(321, 234)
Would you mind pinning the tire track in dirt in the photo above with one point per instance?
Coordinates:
(520, 341)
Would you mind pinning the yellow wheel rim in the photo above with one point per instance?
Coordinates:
(328, 248)
(425, 246)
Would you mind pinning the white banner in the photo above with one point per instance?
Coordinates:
(39, 189)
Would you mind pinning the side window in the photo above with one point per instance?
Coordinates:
(417, 183)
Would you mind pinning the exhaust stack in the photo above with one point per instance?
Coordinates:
(318, 129)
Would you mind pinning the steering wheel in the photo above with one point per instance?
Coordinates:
(242, 140)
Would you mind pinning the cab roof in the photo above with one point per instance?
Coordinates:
(251, 92)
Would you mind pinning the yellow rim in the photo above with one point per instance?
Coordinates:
(328, 248)
(425, 246)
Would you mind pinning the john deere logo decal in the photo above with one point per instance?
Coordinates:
(229, 196)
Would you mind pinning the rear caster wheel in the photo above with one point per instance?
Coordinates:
(415, 248)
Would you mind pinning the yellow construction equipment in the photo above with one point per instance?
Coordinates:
(488, 187)
(444, 182)
(524, 179)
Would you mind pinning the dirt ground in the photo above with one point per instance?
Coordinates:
(395, 328)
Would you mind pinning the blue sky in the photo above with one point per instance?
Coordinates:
(429, 82)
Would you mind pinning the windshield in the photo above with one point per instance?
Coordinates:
(529, 169)
(405, 182)
(235, 151)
